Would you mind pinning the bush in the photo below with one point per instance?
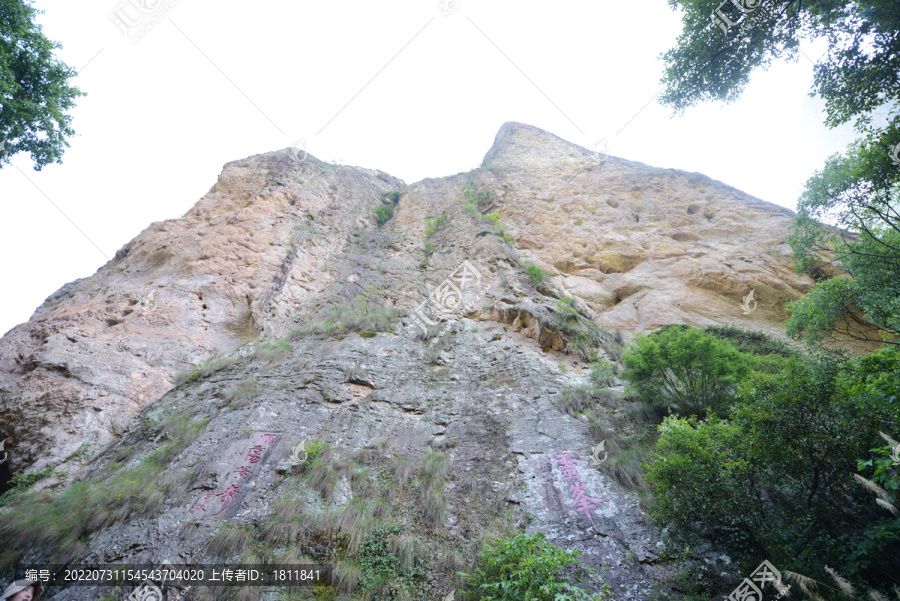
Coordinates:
(433, 224)
(601, 373)
(526, 567)
(393, 196)
(684, 368)
(383, 214)
(777, 479)
(536, 275)
(271, 351)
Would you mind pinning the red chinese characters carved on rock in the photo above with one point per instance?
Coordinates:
(580, 499)
(225, 498)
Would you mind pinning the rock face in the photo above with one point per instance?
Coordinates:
(281, 241)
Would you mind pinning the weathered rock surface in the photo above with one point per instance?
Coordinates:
(277, 241)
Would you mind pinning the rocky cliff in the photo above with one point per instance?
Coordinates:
(260, 284)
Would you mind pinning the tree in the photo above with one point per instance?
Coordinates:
(34, 90)
(777, 478)
(685, 367)
(858, 80)
(866, 305)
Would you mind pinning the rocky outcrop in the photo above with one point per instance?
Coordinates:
(282, 241)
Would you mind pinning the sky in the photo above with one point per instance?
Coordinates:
(415, 88)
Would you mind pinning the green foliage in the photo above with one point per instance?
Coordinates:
(393, 196)
(684, 368)
(581, 332)
(355, 316)
(433, 224)
(368, 297)
(205, 369)
(476, 199)
(383, 214)
(776, 480)
(536, 275)
(34, 89)
(853, 78)
(857, 191)
(23, 482)
(242, 394)
(378, 566)
(61, 523)
(601, 373)
(858, 194)
(271, 351)
(526, 567)
(757, 343)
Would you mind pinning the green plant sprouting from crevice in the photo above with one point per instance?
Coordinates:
(358, 315)
(536, 275)
(584, 336)
(60, 523)
(433, 223)
(205, 369)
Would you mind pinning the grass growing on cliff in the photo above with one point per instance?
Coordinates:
(583, 335)
(354, 316)
(205, 369)
(271, 352)
(60, 523)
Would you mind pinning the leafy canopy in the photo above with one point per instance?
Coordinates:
(684, 367)
(34, 91)
(776, 479)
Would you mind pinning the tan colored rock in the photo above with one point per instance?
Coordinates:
(272, 241)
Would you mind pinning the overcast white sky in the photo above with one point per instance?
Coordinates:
(399, 86)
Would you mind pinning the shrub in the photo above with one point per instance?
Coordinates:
(777, 479)
(23, 482)
(582, 333)
(526, 567)
(383, 214)
(61, 523)
(601, 373)
(536, 275)
(433, 224)
(393, 196)
(686, 368)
